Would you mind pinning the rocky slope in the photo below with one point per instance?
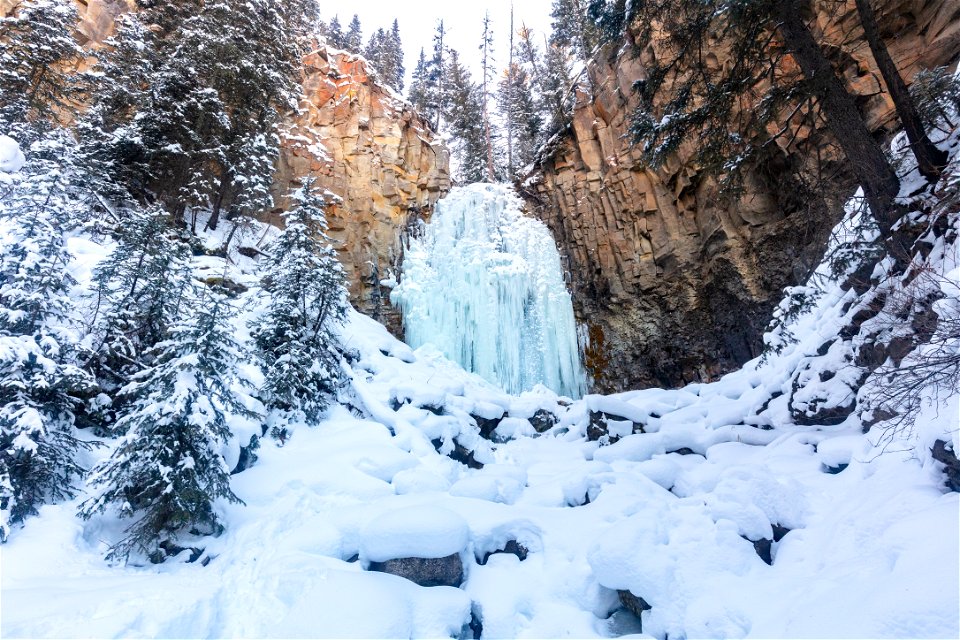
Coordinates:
(673, 284)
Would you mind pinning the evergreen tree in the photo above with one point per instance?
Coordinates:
(40, 385)
(936, 93)
(464, 115)
(335, 34)
(418, 94)
(571, 28)
(169, 468)
(549, 104)
(557, 87)
(353, 40)
(394, 52)
(486, 86)
(518, 106)
(296, 337)
(609, 18)
(106, 133)
(140, 290)
(436, 68)
(375, 53)
(36, 82)
(385, 52)
(205, 130)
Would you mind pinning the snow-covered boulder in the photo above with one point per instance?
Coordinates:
(11, 157)
(422, 544)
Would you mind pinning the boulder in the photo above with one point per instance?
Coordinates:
(426, 572)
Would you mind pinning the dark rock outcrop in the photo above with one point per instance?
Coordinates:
(946, 456)
(426, 572)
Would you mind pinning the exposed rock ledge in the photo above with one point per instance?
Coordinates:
(673, 286)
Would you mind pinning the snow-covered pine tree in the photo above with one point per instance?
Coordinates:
(557, 93)
(486, 88)
(435, 82)
(140, 291)
(37, 83)
(40, 385)
(204, 133)
(249, 54)
(301, 19)
(385, 51)
(418, 85)
(549, 105)
(335, 34)
(571, 28)
(353, 39)
(296, 337)
(517, 104)
(169, 469)
(464, 116)
(376, 54)
(107, 144)
(394, 52)
(609, 18)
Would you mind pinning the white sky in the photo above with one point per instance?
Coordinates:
(462, 18)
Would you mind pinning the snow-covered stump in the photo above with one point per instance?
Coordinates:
(484, 284)
(421, 544)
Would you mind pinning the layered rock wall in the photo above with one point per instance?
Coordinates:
(673, 283)
(372, 150)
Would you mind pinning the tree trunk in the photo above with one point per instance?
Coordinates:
(509, 114)
(930, 159)
(864, 154)
(218, 204)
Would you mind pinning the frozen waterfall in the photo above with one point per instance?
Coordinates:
(484, 285)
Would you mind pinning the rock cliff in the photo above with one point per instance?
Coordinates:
(372, 150)
(674, 284)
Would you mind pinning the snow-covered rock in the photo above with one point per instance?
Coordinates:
(414, 532)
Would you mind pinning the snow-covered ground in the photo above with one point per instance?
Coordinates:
(872, 551)
(667, 504)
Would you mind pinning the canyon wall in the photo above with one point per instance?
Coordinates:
(673, 283)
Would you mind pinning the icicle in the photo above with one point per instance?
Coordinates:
(484, 285)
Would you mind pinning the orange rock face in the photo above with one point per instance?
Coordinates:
(365, 145)
(674, 284)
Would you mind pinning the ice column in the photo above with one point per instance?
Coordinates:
(484, 285)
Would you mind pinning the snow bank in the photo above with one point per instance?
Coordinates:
(11, 157)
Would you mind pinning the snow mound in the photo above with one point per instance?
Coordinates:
(11, 157)
(414, 532)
